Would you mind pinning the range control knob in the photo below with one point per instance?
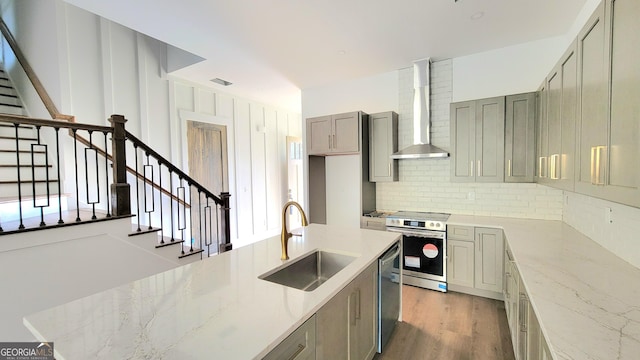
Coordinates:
(431, 224)
(437, 224)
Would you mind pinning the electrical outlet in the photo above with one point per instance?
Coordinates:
(608, 215)
(471, 195)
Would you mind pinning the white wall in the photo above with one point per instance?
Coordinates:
(93, 68)
(510, 70)
(372, 94)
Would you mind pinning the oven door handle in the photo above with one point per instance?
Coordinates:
(430, 235)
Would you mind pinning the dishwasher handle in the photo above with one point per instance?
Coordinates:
(390, 255)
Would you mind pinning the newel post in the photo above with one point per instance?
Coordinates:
(225, 244)
(120, 189)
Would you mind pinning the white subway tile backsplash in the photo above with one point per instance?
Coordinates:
(620, 235)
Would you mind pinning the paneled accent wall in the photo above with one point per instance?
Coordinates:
(424, 183)
(93, 68)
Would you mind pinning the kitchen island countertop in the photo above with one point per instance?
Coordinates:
(211, 309)
(587, 299)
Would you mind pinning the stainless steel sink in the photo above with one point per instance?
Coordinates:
(309, 271)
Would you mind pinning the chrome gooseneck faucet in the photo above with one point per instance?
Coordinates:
(285, 235)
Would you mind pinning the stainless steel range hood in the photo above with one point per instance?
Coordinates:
(421, 147)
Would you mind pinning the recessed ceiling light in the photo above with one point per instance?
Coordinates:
(342, 52)
(477, 15)
(221, 82)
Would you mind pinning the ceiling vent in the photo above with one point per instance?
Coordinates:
(221, 82)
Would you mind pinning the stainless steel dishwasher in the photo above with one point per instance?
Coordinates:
(388, 295)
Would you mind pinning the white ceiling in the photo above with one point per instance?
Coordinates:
(271, 49)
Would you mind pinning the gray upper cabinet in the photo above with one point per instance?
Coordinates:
(463, 141)
(608, 158)
(477, 139)
(519, 150)
(383, 141)
(568, 112)
(558, 132)
(319, 135)
(593, 105)
(623, 175)
(542, 139)
(333, 134)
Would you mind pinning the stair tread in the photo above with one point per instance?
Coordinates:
(25, 166)
(51, 220)
(12, 105)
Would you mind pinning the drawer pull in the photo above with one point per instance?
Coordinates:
(300, 349)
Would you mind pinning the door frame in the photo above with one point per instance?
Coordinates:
(184, 116)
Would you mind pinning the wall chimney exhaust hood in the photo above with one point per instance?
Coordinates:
(421, 148)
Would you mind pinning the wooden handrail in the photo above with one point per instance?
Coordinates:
(42, 93)
(172, 168)
(17, 119)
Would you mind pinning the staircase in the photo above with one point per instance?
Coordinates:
(27, 174)
(9, 101)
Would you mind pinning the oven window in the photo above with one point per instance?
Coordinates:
(422, 254)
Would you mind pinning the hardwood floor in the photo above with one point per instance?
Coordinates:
(449, 326)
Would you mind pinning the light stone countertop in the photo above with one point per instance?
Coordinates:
(586, 298)
(211, 309)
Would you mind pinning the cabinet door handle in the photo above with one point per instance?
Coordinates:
(523, 313)
(479, 168)
(506, 286)
(471, 165)
(358, 310)
(329, 141)
(390, 169)
(509, 168)
(301, 348)
(334, 141)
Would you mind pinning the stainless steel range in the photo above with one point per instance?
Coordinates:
(424, 245)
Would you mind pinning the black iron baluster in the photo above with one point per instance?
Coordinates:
(160, 184)
(209, 238)
(86, 175)
(60, 221)
(21, 226)
(147, 187)
(191, 218)
(217, 229)
(75, 156)
(182, 202)
(106, 172)
(135, 150)
(33, 175)
(199, 216)
(171, 199)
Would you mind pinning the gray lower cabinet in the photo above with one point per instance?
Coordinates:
(475, 260)
(489, 252)
(300, 345)
(527, 338)
(383, 141)
(346, 325)
(519, 137)
(460, 263)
